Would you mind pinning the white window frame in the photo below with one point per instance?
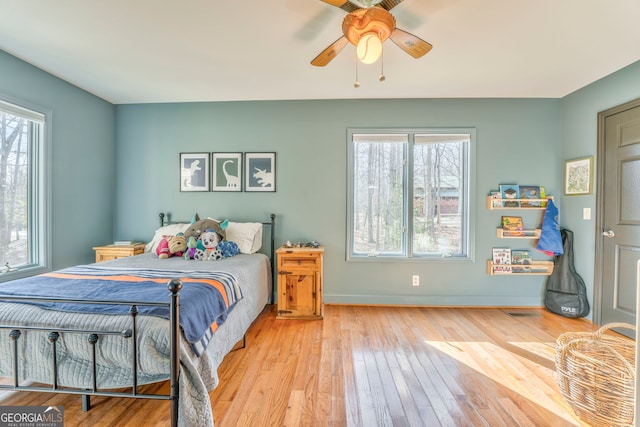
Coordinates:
(468, 191)
(39, 191)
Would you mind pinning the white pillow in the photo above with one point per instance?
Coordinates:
(167, 230)
(247, 235)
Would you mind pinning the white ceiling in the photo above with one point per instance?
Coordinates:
(142, 51)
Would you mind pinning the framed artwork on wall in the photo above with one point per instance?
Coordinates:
(194, 171)
(226, 172)
(260, 172)
(578, 176)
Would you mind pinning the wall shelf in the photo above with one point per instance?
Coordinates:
(543, 203)
(536, 268)
(527, 234)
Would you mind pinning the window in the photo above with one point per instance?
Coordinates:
(23, 204)
(409, 193)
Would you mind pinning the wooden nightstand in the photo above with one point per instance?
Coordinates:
(108, 252)
(300, 283)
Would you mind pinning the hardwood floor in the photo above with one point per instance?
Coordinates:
(373, 366)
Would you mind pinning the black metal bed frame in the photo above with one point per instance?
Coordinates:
(93, 337)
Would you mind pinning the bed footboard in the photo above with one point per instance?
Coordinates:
(53, 334)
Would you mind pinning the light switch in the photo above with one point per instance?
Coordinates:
(586, 213)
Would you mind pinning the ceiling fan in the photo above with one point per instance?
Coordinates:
(367, 25)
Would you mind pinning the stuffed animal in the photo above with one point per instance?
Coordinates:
(228, 249)
(199, 227)
(192, 242)
(171, 245)
(210, 245)
(163, 248)
(210, 240)
(177, 244)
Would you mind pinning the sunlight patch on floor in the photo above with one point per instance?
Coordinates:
(497, 364)
(538, 348)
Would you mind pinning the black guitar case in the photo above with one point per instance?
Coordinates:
(566, 293)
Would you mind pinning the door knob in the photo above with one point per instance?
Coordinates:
(609, 233)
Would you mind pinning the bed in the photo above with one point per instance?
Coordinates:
(127, 340)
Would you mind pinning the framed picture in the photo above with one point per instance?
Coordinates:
(260, 171)
(578, 176)
(194, 171)
(226, 172)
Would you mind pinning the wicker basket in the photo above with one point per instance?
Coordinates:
(597, 375)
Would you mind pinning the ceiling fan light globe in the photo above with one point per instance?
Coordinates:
(369, 48)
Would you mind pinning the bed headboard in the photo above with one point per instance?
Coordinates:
(271, 243)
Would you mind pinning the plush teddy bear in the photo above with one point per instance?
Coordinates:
(171, 245)
(177, 244)
(163, 248)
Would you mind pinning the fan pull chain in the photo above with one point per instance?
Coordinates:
(382, 77)
(356, 84)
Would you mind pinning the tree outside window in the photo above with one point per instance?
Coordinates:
(20, 188)
(408, 194)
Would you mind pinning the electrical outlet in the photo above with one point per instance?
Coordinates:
(416, 280)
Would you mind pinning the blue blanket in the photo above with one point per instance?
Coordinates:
(206, 298)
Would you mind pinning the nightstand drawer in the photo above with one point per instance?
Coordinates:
(299, 260)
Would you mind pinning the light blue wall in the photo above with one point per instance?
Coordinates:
(518, 141)
(83, 169)
(115, 168)
(579, 139)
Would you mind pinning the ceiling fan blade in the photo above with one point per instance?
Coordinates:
(342, 4)
(329, 53)
(411, 44)
(389, 4)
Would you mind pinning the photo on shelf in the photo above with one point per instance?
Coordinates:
(510, 191)
(530, 192)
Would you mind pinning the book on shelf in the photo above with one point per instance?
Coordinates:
(497, 269)
(521, 256)
(501, 256)
(512, 226)
(510, 191)
(528, 269)
(496, 199)
(530, 192)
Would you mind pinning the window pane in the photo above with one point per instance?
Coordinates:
(438, 184)
(16, 136)
(378, 194)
